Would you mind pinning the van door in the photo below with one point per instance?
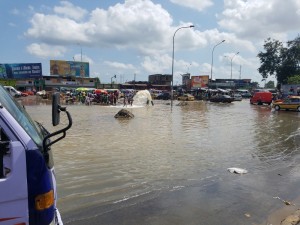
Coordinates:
(13, 183)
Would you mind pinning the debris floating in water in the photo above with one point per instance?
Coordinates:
(237, 170)
(123, 113)
(284, 201)
(247, 215)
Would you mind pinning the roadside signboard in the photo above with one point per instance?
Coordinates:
(21, 70)
(199, 81)
(69, 68)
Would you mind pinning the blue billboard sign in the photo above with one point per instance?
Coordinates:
(21, 70)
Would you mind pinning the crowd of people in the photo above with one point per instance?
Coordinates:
(86, 97)
(100, 97)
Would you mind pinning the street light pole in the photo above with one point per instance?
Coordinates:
(81, 65)
(173, 61)
(212, 58)
(231, 63)
(80, 53)
(115, 76)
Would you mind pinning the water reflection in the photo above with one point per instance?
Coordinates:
(170, 167)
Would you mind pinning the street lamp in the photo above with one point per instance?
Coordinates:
(115, 76)
(81, 65)
(212, 58)
(173, 61)
(231, 63)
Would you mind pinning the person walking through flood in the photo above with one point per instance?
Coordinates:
(130, 100)
(124, 101)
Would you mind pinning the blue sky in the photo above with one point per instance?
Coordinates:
(134, 38)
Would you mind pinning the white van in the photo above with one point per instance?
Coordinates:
(13, 91)
(27, 179)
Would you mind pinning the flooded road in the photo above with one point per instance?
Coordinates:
(170, 166)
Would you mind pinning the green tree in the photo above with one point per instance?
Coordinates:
(270, 59)
(270, 84)
(294, 79)
(281, 62)
(254, 84)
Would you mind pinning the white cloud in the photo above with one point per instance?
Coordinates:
(84, 58)
(131, 24)
(56, 30)
(44, 50)
(199, 5)
(117, 65)
(260, 19)
(157, 63)
(15, 11)
(68, 10)
(128, 25)
(214, 36)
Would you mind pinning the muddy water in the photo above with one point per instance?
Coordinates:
(170, 166)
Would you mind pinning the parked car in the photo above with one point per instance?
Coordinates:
(13, 91)
(29, 92)
(260, 98)
(186, 97)
(244, 93)
(24, 94)
(237, 97)
(155, 93)
(41, 93)
(221, 98)
(164, 96)
(290, 103)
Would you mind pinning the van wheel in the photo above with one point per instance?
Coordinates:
(298, 109)
(277, 107)
(259, 103)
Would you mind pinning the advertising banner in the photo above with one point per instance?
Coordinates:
(199, 81)
(21, 70)
(69, 68)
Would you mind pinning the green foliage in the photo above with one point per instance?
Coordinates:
(294, 79)
(279, 61)
(255, 84)
(270, 84)
(8, 82)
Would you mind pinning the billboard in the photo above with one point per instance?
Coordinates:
(69, 68)
(21, 70)
(199, 81)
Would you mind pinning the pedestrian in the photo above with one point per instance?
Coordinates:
(130, 100)
(124, 101)
(291, 90)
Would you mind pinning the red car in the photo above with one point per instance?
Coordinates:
(26, 93)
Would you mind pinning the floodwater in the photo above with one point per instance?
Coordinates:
(169, 166)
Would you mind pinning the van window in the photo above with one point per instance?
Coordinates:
(18, 112)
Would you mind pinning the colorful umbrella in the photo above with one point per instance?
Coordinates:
(82, 89)
(100, 91)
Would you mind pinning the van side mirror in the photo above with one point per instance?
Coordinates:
(55, 109)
